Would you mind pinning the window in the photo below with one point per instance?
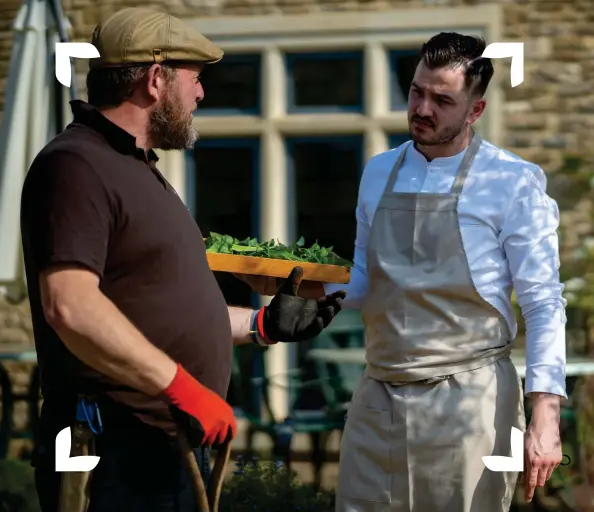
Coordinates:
(324, 179)
(222, 187)
(396, 139)
(231, 86)
(403, 64)
(325, 82)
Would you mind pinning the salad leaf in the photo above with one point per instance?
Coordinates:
(297, 251)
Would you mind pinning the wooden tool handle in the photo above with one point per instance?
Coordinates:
(208, 501)
(218, 476)
(194, 471)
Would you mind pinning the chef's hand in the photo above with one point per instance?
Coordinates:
(542, 443)
(291, 318)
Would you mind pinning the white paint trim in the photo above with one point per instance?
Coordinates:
(374, 33)
(433, 19)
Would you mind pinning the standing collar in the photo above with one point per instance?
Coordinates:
(118, 138)
(437, 163)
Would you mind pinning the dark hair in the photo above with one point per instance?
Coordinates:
(449, 49)
(110, 87)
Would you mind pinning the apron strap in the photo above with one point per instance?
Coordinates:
(463, 170)
(395, 168)
(466, 164)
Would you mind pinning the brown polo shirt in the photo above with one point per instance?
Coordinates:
(94, 199)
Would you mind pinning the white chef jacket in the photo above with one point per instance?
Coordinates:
(509, 232)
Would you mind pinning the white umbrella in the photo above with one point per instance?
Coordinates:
(34, 111)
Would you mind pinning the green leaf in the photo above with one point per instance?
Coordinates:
(297, 251)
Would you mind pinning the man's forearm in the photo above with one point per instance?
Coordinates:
(546, 408)
(97, 333)
(240, 319)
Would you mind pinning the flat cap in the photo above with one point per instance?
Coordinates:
(138, 35)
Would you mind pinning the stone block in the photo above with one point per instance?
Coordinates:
(558, 142)
(588, 70)
(526, 121)
(568, 48)
(528, 90)
(13, 319)
(515, 14)
(548, 159)
(516, 106)
(584, 28)
(546, 103)
(546, 28)
(14, 336)
(557, 72)
(549, 7)
(520, 140)
(577, 123)
(584, 144)
(516, 32)
(576, 89)
(538, 48)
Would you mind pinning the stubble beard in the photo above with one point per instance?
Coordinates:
(440, 136)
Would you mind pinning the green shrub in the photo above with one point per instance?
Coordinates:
(17, 487)
(271, 487)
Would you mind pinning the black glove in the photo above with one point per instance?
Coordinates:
(291, 318)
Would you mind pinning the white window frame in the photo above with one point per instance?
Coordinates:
(376, 33)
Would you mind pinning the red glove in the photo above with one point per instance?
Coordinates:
(205, 416)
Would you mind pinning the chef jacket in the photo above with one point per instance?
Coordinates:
(509, 232)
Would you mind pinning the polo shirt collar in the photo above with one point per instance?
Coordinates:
(118, 138)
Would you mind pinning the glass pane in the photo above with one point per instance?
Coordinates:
(232, 85)
(224, 192)
(326, 81)
(325, 174)
(396, 139)
(403, 66)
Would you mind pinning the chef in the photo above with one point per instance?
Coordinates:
(448, 225)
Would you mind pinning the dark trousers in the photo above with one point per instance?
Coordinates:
(140, 470)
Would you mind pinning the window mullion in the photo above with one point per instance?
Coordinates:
(375, 140)
(377, 91)
(377, 95)
(274, 84)
(274, 224)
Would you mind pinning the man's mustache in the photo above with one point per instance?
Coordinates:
(423, 120)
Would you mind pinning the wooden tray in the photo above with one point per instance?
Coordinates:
(238, 264)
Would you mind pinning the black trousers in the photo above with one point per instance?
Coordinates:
(140, 470)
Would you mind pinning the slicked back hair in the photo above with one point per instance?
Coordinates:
(451, 50)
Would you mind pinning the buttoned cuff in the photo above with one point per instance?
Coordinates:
(546, 379)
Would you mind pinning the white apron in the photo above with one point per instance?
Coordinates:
(439, 391)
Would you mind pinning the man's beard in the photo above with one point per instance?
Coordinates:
(170, 127)
(439, 136)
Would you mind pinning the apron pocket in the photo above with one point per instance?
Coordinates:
(364, 471)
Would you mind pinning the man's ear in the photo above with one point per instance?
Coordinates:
(478, 107)
(155, 81)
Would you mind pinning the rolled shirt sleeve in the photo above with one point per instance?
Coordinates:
(529, 238)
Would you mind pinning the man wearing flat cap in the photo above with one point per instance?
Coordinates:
(133, 335)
